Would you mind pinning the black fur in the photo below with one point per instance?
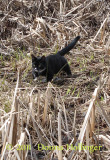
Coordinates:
(52, 64)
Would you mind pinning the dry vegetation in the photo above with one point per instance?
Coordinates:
(66, 112)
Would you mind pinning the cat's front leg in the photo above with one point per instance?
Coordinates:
(49, 77)
(34, 74)
(67, 69)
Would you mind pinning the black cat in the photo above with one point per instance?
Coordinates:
(52, 64)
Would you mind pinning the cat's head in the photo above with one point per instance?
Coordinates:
(38, 65)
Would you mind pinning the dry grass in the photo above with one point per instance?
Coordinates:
(71, 111)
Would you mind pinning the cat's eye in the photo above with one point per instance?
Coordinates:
(34, 66)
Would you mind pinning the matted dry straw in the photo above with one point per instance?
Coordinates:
(63, 120)
(12, 141)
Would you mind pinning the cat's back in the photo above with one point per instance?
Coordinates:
(55, 62)
(55, 58)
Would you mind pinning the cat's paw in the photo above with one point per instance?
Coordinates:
(56, 79)
(35, 79)
(44, 80)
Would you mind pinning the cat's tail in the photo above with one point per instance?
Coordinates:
(69, 47)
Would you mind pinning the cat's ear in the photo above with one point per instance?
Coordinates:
(43, 58)
(33, 57)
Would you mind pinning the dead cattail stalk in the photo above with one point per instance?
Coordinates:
(3, 131)
(86, 120)
(100, 28)
(33, 154)
(61, 7)
(45, 108)
(21, 141)
(19, 128)
(90, 130)
(39, 132)
(38, 102)
(108, 46)
(13, 128)
(103, 113)
(3, 152)
(104, 139)
(59, 136)
(93, 118)
(74, 125)
(83, 129)
(87, 140)
(10, 131)
(31, 111)
(47, 99)
(66, 120)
